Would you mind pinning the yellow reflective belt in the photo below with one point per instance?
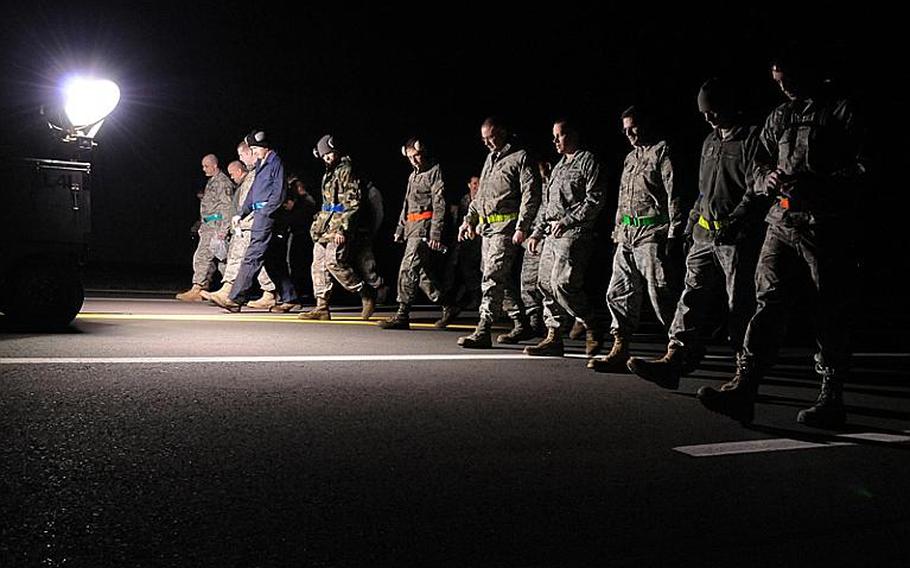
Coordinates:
(498, 218)
(710, 225)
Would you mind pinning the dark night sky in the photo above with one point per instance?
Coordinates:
(197, 76)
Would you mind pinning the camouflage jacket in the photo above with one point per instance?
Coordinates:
(424, 210)
(341, 197)
(216, 202)
(509, 186)
(574, 195)
(647, 195)
(240, 196)
(817, 145)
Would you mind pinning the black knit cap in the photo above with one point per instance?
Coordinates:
(257, 138)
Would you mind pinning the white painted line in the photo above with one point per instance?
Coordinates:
(783, 444)
(260, 359)
(877, 437)
(752, 447)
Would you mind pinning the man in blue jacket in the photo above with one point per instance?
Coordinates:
(267, 247)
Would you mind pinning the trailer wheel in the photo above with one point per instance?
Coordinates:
(43, 297)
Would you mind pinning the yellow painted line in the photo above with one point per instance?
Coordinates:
(242, 318)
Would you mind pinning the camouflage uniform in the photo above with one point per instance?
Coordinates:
(816, 144)
(422, 218)
(648, 213)
(507, 200)
(341, 200)
(726, 202)
(239, 243)
(574, 197)
(215, 213)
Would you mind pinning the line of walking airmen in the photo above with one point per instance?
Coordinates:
(771, 209)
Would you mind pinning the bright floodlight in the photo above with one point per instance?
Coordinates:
(87, 101)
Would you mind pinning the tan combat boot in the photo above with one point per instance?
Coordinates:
(194, 294)
(615, 360)
(224, 291)
(368, 301)
(663, 372)
(265, 302)
(578, 330)
(320, 312)
(551, 345)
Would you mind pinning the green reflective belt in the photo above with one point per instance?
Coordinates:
(711, 225)
(643, 221)
(498, 218)
(213, 217)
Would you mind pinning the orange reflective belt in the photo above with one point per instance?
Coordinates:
(420, 216)
(784, 202)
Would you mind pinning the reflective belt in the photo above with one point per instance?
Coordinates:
(213, 217)
(498, 218)
(711, 225)
(784, 202)
(333, 207)
(420, 216)
(643, 221)
(259, 205)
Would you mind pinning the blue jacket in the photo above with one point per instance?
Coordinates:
(268, 192)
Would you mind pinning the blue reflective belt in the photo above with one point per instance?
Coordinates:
(213, 217)
(259, 205)
(334, 208)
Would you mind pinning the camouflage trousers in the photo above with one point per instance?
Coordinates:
(563, 264)
(204, 262)
(787, 257)
(351, 264)
(236, 252)
(531, 293)
(497, 286)
(639, 270)
(416, 271)
(710, 268)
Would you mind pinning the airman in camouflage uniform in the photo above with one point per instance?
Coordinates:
(726, 227)
(335, 231)
(811, 159)
(502, 213)
(420, 227)
(572, 200)
(649, 227)
(215, 214)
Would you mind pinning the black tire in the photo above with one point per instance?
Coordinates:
(43, 297)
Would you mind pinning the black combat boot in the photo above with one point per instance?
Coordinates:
(735, 398)
(828, 411)
(552, 345)
(663, 372)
